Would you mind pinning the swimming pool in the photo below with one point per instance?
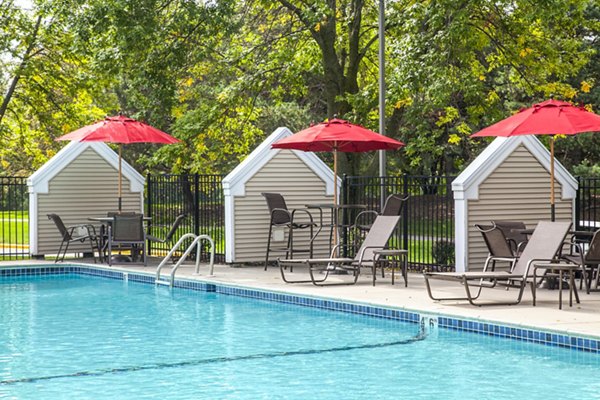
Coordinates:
(75, 336)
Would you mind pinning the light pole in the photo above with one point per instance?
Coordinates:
(382, 158)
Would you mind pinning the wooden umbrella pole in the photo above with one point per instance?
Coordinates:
(552, 209)
(335, 198)
(120, 175)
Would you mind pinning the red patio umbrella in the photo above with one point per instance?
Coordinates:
(121, 130)
(337, 135)
(551, 117)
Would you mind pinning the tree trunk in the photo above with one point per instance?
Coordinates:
(19, 72)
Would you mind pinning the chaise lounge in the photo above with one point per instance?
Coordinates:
(366, 256)
(543, 246)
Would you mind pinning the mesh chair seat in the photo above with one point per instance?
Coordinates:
(75, 233)
(127, 233)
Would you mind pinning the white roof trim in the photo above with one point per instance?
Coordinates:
(466, 185)
(234, 182)
(38, 182)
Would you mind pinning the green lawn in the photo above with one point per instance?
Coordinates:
(14, 227)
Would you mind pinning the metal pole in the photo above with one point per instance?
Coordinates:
(382, 159)
(552, 208)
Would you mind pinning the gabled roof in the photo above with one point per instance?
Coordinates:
(38, 182)
(466, 185)
(234, 182)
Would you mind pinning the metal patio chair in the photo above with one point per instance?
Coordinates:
(282, 217)
(513, 231)
(127, 233)
(75, 233)
(588, 260)
(499, 248)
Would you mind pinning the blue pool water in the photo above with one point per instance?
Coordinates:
(78, 337)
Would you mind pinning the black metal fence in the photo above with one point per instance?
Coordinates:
(587, 205)
(14, 218)
(198, 196)
(427, 227)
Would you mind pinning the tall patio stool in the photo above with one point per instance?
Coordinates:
(282, 217)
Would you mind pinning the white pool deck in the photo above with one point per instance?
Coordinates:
(581, 319)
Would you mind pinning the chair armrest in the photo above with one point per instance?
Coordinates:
(362, 253)
(302, 211)
(362, 214)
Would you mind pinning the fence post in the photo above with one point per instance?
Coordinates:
(149, 205)
(405, 214)
(577, 204)
(196, 204)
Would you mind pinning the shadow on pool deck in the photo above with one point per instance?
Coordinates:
(582, 319)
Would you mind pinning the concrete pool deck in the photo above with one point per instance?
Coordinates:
(581, 319)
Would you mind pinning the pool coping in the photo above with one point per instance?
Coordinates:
(553, 338)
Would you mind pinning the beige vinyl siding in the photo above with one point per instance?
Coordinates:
(518, 190)
(87, 187)
(286, 174)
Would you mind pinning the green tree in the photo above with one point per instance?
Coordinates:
(460, 66)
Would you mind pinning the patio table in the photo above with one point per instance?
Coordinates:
(393, 257)
(557, 270)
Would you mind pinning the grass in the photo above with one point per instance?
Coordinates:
(14, 227)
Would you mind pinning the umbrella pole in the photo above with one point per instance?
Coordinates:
(120, 183)
(335, 199)
(552, 209)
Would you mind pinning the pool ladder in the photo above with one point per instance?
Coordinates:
(195, 242)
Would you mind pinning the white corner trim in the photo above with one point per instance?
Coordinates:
(466, 185)
(234, 182)
(137, 180)
(320, 169)
(229, 230)
(461, 243)
(33, 223)
(38, 181)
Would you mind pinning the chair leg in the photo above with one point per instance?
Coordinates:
(92, 247)
(268, 246)
(290, 244)
(109, 255)
(59, 250)
(64, 252)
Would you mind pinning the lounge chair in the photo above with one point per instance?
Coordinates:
(376, 238)
(394, 204)
(543, 246)
(170, 231)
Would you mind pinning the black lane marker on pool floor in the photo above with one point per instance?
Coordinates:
(109, 371)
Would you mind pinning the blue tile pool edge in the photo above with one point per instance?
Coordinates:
(557, 339)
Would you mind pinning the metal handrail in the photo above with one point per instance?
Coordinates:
(195, 242)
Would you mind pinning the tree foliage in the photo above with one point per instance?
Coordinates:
(222, 75)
